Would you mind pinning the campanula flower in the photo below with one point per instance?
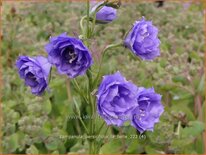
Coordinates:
(69, 55)
(143, 40)
(148, 111)
(116, 99)
(35, 71)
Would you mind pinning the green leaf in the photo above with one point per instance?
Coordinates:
(195, 128)
(46, 130)
(183, 108)
(13, 142)
(199, 145)
(182, 145)
(112, 147)
(151, 150)
(32, 150)
(46, 106)
(99, 122)
(79, 148)
(134, 146)
(55, 152)
(180, 79)
(52, 144)
(201, 86)
(194, 55)
(21, 140)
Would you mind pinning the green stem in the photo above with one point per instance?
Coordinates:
(94, 15)
(82, 24)
(89, 76)
(92, 112)
(82, 122)
(79, 115)
(178, 129)
(99, 145)
(68, 89)
(101, 62)
(93, 23)
(50, 75)
(76, 85)
(87, 34)
(98, 132)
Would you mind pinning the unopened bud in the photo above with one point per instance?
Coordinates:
(105, 13)
(113, 3)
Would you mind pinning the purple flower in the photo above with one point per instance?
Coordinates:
(143, 41)
(148, 111)
(105, 15)
(35, 72)
(69, 55)
(116, 99)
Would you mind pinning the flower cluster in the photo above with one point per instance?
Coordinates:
(119, 100)
(68, 54)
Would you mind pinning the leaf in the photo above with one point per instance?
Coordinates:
(166, 130)
(32, 150)
(112, 147)
(46, 106)
(46, 130)
(151, 150)
(21, 140)
(99, 122)
(52, 144)
(183, 108)
(134, 146)
(79, 148)
(13, 142)
(182, 145)
(59, 97)
(201, 86)
(55, 152)
(195, 128)
(180, 79)
(194, 55)
(199, 147)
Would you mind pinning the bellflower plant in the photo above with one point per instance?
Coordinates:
(114, 98)
(35, 72)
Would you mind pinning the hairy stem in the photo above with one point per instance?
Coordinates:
(68, 89)
(89, 76)
(101, 62)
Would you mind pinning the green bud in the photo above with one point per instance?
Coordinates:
(113, 3)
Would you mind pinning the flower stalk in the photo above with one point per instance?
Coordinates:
(117, 100)
(91, 132)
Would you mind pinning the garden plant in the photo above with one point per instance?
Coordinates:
(78, 101)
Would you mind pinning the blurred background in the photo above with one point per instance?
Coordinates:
(38, 124)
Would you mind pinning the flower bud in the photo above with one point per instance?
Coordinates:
(113, 3)
(104, 13)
